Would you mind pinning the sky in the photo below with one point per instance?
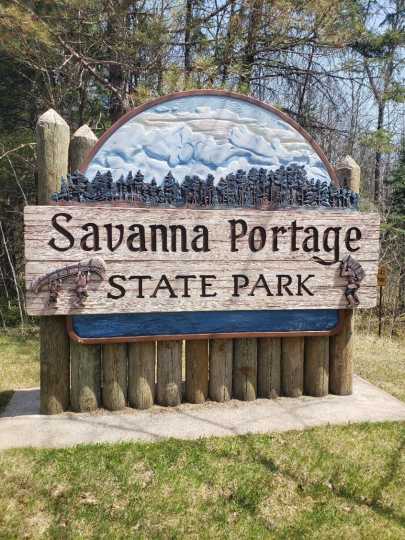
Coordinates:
(204, 135)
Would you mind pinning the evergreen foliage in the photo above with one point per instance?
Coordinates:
(285, 187)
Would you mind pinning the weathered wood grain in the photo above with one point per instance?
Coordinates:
(196, 370)
(52, 146)
(273, 263)
(169, 373)
(244, 374)
(341, 358)
(85, 377)
(316, 367)
(141, 374)
(268, 367)
(52, 138)
(292, 366)
(83, 140)
(341, 345)
(220, 369)
(54, 365)
(114, 361)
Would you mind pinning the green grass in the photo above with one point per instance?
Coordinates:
(381, 361)
(333, 482)
(343, 482)
(19, 363)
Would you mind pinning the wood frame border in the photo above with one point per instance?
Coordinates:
(220, 93)
(133, 339)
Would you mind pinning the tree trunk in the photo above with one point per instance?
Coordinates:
(187, 40)
(249, 53)
(378, 156)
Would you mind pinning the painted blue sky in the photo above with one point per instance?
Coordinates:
(202, 135)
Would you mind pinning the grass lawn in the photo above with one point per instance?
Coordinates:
(19, 363)
(334, 482)
(329, 482)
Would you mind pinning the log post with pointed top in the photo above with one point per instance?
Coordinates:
(52, 138)
(82, 142)
(341, 345)
(112, 357)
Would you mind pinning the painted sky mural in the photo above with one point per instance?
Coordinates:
(201, 135)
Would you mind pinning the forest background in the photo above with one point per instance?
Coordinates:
(336, 67)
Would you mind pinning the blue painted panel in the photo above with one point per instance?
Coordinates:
(203, 322)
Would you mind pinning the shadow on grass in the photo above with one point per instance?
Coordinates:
(5, 396)
(372, 501)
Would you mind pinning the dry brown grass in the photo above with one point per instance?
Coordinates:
(381, 361)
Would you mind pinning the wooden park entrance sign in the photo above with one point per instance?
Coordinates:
(161, 260)
(202, 215)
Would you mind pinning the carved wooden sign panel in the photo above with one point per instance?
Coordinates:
(99, 260)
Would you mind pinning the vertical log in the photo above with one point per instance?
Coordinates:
(169, 372)
(341, 345)
(292, 366)
(220, 369)
(52, 138)
(85, 376)
(114, 361)
(83, 140)
(341, 357)
(244, 384)
(268, 367)
(196, 370)
(316, 366)
(141, 374)
(54, 365)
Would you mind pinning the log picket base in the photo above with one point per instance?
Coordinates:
(167, 373)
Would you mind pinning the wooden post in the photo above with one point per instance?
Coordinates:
(341, 345)
(316, 366)
(85, 376)
(81, 143)
(341, 358)
(220, 369)
(244, 384)
(54, 365)
(268, 367)
(169, 372)
(196, 370)
(52, 137)
(141, 374)
(114, 361)
(292, 367)
(83, 140)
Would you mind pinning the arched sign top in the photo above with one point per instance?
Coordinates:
(204, 132)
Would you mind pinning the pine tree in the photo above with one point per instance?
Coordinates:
(397, 184)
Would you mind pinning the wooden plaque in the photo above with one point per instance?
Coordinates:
(156, 260)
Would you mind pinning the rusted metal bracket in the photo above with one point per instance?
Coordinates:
(81, 271)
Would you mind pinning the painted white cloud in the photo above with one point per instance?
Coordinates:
(202, 136)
